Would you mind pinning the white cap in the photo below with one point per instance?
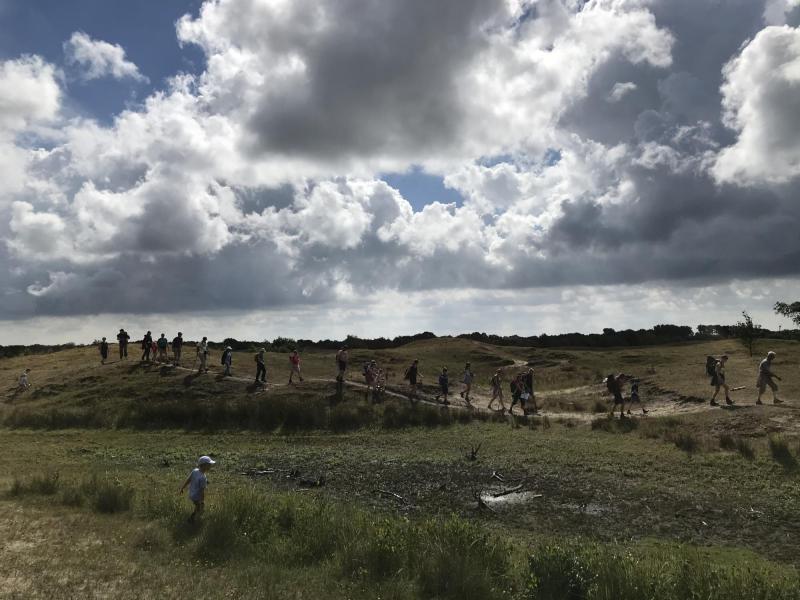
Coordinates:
(206, 460)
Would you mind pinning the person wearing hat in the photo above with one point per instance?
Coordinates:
(497, 391)
(261, 368)
(227, 360)
(103, 351)
(294, 366)
(765, 379)
(197, 483)
(177, 348)
(444, 386)
(122, 340)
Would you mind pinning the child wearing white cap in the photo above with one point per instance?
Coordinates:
(197, 483)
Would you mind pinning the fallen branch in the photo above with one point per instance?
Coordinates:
(509, 491)
(481, 504)
(397, 497)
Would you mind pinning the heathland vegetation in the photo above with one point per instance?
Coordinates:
(321, 492)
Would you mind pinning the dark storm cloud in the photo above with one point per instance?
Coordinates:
(379, 76)
(383, 78)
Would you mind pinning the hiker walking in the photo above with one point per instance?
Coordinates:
(177, 348)
(261, 368)
(197, 483)
(202, 355)
(517, 387)
(227, 361)
(718, 381)
(103, 351)
(147, 341)
(24, 384)
(467, 378)
(444, 387)
(341, 363)
(614, 385)
(122, 340)
(294, 366)
(765, 379)
(411, 375)
(497, 391)
(527, 379)
(162, 345)
(635, 399)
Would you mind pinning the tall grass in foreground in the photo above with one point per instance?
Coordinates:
(601, 572)
(451, 558)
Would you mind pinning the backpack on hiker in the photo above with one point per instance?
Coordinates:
(611, 383)
(711, 366)
(224, 356)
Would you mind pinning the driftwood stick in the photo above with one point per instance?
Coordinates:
(397, 497)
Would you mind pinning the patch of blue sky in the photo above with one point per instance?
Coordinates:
(421, 188)
(145, 30)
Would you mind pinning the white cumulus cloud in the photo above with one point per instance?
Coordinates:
(99, 59)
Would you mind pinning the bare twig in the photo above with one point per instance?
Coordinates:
(397, 497)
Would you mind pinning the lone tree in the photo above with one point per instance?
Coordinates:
(790, 311)
(747, 331)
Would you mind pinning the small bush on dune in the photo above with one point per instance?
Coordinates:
(599, 407)
(745, 448)
(688, 442)
(108, 495)
(456, 559)
(610, 424)
(781, 454)
(736, 444)
(594, 572)
(727, 441)
(43, 484)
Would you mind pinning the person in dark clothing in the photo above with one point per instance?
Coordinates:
(528, 380)
(412, 373)
(103, 351)
(177, 348)
(122, 340)
(147, 345)
(635, 398)
(444, 386)
(261, 368)
(614, 384)
(517, 387)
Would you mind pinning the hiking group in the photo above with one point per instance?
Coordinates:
(521, 384)
(716, 370)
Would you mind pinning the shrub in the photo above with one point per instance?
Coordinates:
(347, 417)
(737, 444)
(599, 407)
(781, 454)
(610, 424)
(688, 442)
(455, 559)
(593, 572)
(745, 449)
(727, 441)
(43, 484)
(107, 495)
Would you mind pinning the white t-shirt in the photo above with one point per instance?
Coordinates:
(197, 483)
(23, 380)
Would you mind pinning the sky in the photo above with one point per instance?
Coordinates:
(318, 168)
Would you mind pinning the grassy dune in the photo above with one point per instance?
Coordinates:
(325, 496)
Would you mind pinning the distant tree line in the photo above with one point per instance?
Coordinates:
(12, 351)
